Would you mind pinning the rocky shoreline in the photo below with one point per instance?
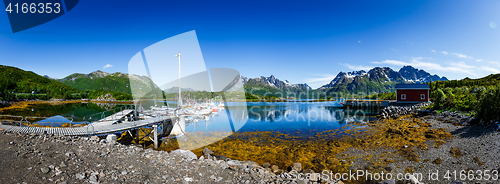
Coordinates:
(62, 159)
(475, 147)
(393, 111)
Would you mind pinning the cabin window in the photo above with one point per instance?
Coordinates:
(403, 96)
(422, 96)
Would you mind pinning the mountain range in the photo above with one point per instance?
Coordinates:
(378, 79)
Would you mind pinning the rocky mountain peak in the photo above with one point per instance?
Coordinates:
(378, 79)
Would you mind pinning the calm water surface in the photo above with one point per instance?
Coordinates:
(305, 118)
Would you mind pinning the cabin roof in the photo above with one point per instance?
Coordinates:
(412, 86)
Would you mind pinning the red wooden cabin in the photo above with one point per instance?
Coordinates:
(412, 93)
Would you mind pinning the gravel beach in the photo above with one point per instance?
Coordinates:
(62, 159)
(474, 148)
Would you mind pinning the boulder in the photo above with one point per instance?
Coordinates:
(44, 170)
(111, 138)
(233, 162)
(207, 151)
(80, 176)
(266, 165)
(296, 167)
(413, 180)
(221, 157)
(94, 138)
(185, 154)
(274, 168)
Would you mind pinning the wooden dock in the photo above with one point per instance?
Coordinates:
(114, 118)
(366, 103)
(97, 129)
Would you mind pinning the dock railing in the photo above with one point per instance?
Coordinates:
(12, 120)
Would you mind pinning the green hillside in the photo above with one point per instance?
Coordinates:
(117, 82)
(19, 84)
(15, 82)
(477, 96)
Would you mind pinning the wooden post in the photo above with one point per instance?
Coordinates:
(137, 135)
(155, 131)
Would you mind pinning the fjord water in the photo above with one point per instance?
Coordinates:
(298, 118)
(303, 119)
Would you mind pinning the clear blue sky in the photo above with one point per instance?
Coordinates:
(301, 41)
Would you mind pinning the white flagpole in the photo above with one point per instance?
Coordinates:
(180, 99)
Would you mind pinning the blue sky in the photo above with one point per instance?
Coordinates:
(301, 41)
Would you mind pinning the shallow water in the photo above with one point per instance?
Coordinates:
(301, 118)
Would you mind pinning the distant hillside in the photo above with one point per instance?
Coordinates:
(16, 81)
(117, 82)
(479, 97)
(490, 80)
(19, 84)
(98, 80)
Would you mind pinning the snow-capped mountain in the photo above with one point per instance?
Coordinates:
(378, 79)
(411, 74)
(344, 77)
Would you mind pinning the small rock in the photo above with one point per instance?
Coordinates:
(68, 154)
(308, 171)
(296, 167)
(93, 179)
(274, 168)
(186, 154)
(266, 165)
(44, 170)
(301, 182)
(80, 176)
(413, 180)
(111, 138)
(221, 157)
(218, 179)
(207, 151)
(233, 167)
(233, 162)
(94, 138)
(387, 182)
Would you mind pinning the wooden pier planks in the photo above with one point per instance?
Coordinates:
(87, 130)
